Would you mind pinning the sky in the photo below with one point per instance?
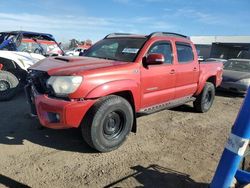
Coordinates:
(93, 19)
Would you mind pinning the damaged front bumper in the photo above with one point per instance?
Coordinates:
(56, 113)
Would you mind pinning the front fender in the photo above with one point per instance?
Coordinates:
(115, 87)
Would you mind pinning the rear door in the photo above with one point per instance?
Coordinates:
(187, 70)
(158, 81)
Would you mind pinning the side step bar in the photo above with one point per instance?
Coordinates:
(166, 105)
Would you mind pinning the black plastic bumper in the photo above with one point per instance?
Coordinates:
(30, 99)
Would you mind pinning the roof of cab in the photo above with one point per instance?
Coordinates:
(168, 34)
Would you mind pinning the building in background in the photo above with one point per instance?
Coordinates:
(224, 47)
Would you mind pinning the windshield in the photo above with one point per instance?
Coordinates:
(121, 49)
(29, 43)
(242, 66)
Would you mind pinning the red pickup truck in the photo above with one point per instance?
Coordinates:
(117, 78)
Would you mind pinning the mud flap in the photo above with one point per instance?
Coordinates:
(30, 99)
(134, 127)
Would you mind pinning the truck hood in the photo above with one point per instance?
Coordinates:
(72, 65)
(234, 76)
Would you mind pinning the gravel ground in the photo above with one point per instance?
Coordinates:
(172, 148)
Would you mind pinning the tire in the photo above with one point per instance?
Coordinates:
(108, 123)
(8, 85)
(205, 100)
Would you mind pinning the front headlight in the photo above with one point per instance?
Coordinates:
(244, 81)
(64, 85)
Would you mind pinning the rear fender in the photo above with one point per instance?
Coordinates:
(203, 81)
(201, 86)
(116, 87)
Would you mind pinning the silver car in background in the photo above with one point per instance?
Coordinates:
(217, 59)
(236, 76)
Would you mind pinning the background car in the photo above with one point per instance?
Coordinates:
(236, 76)
(217, 59)
(74, 51)
(18, 51)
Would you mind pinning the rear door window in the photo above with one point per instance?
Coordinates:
(184, 52)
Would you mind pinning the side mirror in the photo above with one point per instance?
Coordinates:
(155, 59)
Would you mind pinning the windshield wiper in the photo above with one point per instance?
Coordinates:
(108, 58)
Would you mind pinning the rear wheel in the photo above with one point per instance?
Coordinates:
(205, 100)
(108, 123)
(8, 85)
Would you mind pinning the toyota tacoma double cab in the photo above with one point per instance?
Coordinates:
(119, 77)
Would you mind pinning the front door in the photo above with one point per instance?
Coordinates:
(158, 81)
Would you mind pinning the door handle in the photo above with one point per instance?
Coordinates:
(172, 71)
(195, 69)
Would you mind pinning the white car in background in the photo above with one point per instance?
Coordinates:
(75, 51)
(18, 51)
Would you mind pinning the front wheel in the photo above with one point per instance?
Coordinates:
(8, 85)
(108, 123)
(206, 98)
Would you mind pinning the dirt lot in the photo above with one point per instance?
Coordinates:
(172, 148)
